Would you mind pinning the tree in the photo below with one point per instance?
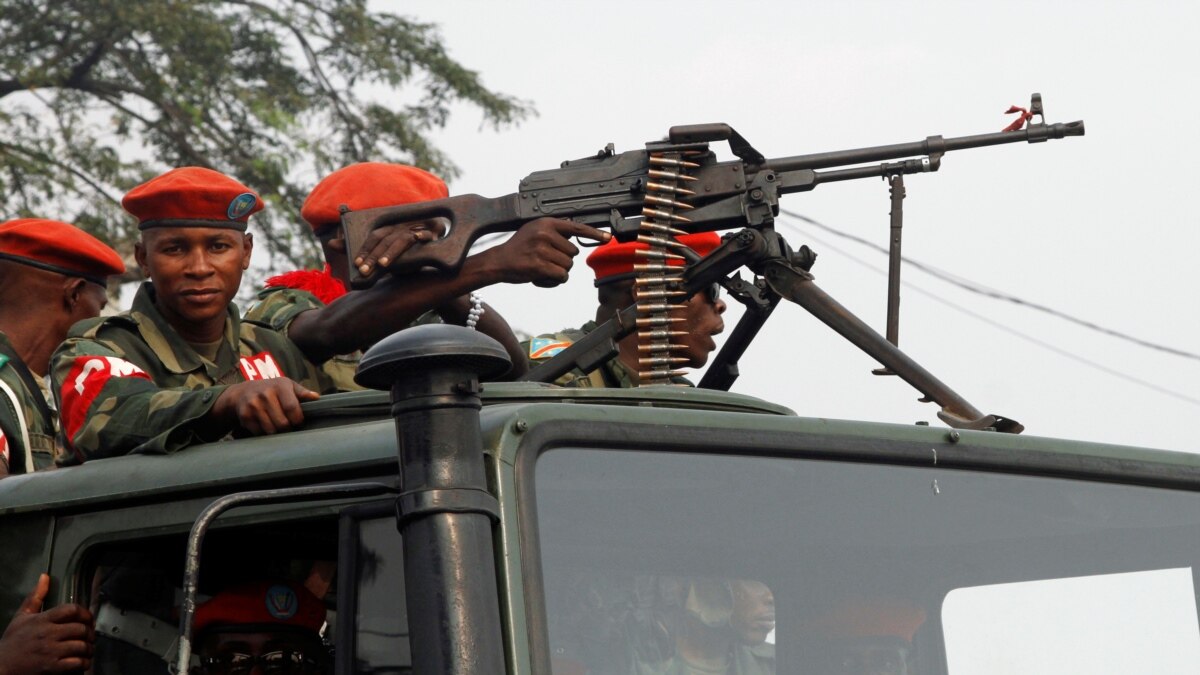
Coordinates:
(97, 96)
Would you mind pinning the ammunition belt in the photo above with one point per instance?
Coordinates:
(657, 286)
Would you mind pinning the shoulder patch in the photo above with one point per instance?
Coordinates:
(544, 348)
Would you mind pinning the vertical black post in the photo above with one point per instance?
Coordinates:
(896, 189)
(445, 513)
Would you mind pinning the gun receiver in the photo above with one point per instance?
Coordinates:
(620, 191)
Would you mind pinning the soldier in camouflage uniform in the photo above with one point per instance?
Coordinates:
(181, 366)
(613, 264)
(51, 275)
(722, 627)
(539, 250)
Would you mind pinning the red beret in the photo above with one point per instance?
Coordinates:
(369, 185)
(192, 197)
(616, 259)
(261, 605)
(58, 247)
(879, 617)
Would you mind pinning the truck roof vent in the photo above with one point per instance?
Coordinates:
(431, 346)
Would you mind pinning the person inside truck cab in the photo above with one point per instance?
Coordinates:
(52, 275)
(539, 250)
(699, 317)
(723, 628)
(261, 628)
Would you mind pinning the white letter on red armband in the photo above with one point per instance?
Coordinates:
(261, 366)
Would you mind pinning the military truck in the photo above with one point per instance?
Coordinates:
(527, 528)
(461, 525)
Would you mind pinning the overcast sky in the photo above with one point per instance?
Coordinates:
(1102, 227)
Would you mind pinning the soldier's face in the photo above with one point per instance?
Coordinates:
(753, 616)
(196, 272)
(703, 320)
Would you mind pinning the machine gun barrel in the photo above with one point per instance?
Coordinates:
(934, 145)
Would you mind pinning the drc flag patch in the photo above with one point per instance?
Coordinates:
(282, 602)
(241, 205)
(544, 348)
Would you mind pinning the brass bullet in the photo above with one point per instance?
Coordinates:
(657, 255)
(670, 175)
(663, 201)
(667, 161)
(651, 226)
(662, 334)
(655, 213)
(655, 267)
(660, 241)
(661, 347)
(662, 187)
(659, 293)
(660, 374)
(657, 307)
(662, 361)
(658, 320)
(656, 281)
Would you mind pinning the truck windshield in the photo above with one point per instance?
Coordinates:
(690, 563)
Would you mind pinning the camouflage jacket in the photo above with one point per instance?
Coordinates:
(744, 660)
(130, 383)
(614, 374)
(278, 307)
(23, 404)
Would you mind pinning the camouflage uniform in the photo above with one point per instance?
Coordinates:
(22, 398)
(613, 374)
(130, 383)
(278, 307)
(744, 660)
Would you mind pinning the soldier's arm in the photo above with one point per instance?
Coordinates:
(491, 324)
(111, 406)
(539, 251)
(58, 640)
(278, 307)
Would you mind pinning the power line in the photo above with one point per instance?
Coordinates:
(986, 291)
(1008, 329)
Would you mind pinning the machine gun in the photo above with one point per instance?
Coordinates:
(678, 185)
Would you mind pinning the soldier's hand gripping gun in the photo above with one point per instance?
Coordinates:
(678, 185)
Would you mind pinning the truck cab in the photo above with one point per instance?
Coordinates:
(650, 530)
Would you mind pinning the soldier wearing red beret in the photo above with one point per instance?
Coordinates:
(286, 302)
(51, 275)
(180, 366)
(274, 624)
(700, 317)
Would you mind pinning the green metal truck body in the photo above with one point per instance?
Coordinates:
(611, 501)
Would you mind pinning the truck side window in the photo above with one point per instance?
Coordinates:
(373, 636)
(133, 586)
